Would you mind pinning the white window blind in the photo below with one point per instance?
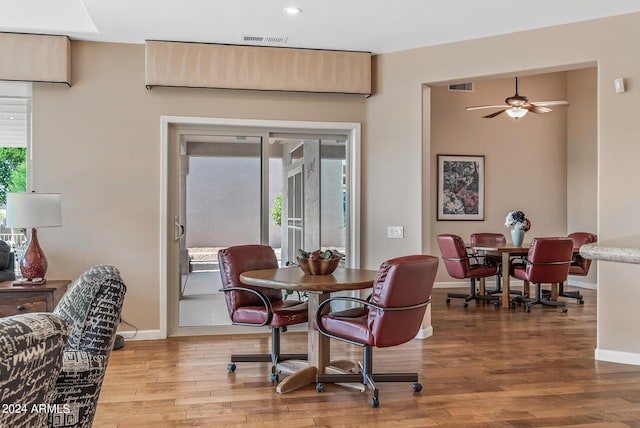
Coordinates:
(15, 114)
(14, 120)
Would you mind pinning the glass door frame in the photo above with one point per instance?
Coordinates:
(173, 130)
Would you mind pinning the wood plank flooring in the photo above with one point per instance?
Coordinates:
(483, 367)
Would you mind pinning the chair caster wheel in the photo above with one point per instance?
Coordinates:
(527, 309)
(466, 305)
(416, 387)
(375, 402)
(448, 300)
(231, 367)
(496, 304)
(319, 387)
(565, 310)
(581, 302)
(274, 378)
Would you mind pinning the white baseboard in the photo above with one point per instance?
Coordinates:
(425, 333)
(464, 284)
(516, 282)
(208, 331)
(141, 335)
(617, 357)
(582, 284)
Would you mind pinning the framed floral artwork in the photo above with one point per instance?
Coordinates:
(460, 187)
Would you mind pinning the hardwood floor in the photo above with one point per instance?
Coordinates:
(483, 367)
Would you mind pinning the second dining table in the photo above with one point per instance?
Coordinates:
(507, 251)
(318, 288)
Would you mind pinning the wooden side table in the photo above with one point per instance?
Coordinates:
(16, 300)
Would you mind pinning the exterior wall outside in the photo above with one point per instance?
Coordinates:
(223, 201)
(217, 216)
(332, 221)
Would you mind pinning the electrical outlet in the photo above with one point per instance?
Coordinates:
(396, 232)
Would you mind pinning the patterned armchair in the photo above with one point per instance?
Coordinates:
(92, 306)
(31, 348)
(7, 263)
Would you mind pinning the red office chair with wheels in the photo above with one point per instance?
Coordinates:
(547, 261)
(579, 265)
(491, 239)
(391, 316)
(258, 306)
(461, 265)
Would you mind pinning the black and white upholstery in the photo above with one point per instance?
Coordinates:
(31, 348)
(7, 262)
(92, 306)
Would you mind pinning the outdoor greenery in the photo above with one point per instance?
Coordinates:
(276, 211)
(13, 171)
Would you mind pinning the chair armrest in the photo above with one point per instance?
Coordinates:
(520, 259)
(361, 302)
(567, 262)
(472, 257)
(82, 367)
(266, 302)
(457, 259)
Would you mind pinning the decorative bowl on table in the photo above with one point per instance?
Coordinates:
(318, 262)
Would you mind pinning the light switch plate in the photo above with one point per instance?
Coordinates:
(396, 232)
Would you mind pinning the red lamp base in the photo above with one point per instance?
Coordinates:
(33, 264)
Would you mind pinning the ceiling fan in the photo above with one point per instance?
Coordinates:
(518, 105)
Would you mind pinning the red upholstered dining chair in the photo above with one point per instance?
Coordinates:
(391, 316)
(461, 265)
(491, 239)
(579, 265)
(547, 262)
(258, 306)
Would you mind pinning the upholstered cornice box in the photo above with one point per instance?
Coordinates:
(204, 65)
(35, 58)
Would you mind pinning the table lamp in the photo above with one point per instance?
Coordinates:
(32, 210)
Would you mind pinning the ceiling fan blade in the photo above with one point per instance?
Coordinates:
(550, 103)
(538, 109)
(492, 115)
(487, 106)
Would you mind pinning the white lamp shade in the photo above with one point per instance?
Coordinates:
(33, 210)
(517, 112)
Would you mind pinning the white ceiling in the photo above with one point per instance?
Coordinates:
(377, 26)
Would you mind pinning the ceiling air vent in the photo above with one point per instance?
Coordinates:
(462, 87)
(273, 40)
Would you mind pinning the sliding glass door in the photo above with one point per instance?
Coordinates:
(221, 207)
(245, 186)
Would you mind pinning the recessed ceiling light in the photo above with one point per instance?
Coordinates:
(292, 10)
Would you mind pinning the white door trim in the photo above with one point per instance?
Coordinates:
(353, 129)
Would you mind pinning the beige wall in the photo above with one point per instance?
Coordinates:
(536, 142)
(582, 158)
(394, 122)
(98, 143)
(525, 160)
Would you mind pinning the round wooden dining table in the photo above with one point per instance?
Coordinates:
(318, 288)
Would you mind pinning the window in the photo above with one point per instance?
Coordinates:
(15, 127)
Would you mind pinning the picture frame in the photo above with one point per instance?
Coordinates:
(461, 187)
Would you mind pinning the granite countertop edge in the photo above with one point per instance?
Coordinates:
(610, 253)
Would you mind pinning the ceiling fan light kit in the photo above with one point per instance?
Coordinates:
(517, 112)
(518, 106)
